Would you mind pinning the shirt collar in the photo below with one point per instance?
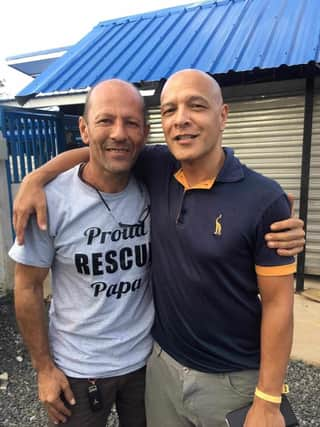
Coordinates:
(232, 169)
(231, 172)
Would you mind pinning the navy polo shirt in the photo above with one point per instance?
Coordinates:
(207, 248)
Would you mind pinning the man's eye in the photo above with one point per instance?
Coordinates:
(167, 111)
(105, 121)
(133, 124)
(197, 106)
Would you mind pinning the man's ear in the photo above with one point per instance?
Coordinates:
(83, 128)
(224, 116)
(146, 132)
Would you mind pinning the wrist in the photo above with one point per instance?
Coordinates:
(42, 365)
(274, 398)
(265, 405)
(36, 177)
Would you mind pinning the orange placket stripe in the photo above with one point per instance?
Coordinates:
(203, 185)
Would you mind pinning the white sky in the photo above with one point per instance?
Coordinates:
(30, 26)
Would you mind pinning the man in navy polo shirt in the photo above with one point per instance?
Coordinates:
(210, 263)
(216, 340)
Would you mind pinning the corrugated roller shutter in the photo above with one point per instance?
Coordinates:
(313, 236)
(156, 135)
(267, 135)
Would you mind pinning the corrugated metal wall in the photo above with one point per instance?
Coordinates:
(313, 237)
(156, 135)
(267, 135)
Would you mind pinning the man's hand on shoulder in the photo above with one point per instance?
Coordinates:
(29, 199)
(287, 236)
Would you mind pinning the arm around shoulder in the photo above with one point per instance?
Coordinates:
(31, 197)
(287, 236)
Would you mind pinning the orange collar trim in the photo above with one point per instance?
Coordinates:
(202, 185)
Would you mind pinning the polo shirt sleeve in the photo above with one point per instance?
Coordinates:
(38, 248)
(152, 158)
(267, 261)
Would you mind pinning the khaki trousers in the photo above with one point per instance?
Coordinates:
(177, 396)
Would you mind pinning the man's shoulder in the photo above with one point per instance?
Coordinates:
(156, 150)
(154, 159)
(64, 179)
(261, 181)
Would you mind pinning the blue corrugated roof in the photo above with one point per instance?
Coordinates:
(214, 36)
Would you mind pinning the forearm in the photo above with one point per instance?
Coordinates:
(276, 342)
(58, 164)
(30, 313)
(276, 338)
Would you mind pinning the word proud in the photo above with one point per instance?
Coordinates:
(95, 234)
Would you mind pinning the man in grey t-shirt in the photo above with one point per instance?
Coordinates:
(98, 248)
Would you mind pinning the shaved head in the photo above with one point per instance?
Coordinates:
(193, 77)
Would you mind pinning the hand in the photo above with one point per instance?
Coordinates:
(29, 199)
(287, 236)
(264, 414)
(52, 383)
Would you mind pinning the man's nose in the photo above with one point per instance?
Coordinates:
(182, 117)
(118, 131)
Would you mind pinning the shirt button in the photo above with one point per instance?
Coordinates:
(185, 369)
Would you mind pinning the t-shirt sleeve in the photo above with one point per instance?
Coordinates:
(38, 248)
(267, 261)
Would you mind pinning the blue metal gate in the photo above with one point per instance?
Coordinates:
(33, 137)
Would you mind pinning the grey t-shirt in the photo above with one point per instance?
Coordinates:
(102, 310)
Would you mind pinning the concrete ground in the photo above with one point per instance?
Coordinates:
(306, 341)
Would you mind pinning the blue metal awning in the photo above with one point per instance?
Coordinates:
(214, 36)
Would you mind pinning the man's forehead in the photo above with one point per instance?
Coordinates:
(201, 91)
(191, 80)
(184, 96)
(124, 110)
(113, 101)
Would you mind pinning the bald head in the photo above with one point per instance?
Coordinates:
(193, 118)
(192, 78)
(108, 88)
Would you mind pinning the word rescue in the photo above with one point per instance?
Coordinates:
(100, 264)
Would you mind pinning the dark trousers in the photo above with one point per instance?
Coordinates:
(126, 391)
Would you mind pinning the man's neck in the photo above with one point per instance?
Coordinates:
(105, 181)
(207, 168)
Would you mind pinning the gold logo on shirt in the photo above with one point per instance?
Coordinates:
(218, 229)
